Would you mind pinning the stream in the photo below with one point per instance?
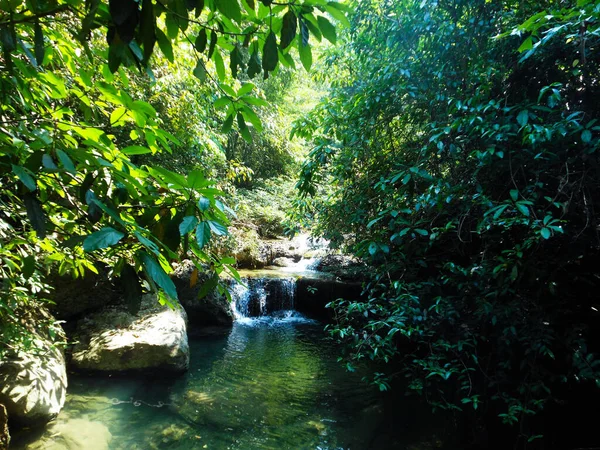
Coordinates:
(272, 381)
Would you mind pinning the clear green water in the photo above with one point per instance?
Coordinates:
(264, 384)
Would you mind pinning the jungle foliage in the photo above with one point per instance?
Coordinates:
(91, 95)
(459, 149)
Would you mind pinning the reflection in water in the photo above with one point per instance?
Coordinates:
(270, 383)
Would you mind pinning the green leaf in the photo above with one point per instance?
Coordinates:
(201, 40)
(200, 71)
(546, 233)
(305, 56)
(147, 29)
(158, 275)
(526, 45)
(202, 234)
(338, 15)
(208, 286)
(187, 224)
(270, 54)
(218, 228)
(213, 43)
(523, 209)
(28, 266)
(135, 150)
(203, 203)
(327, 29)
(104, 238)
(514, 194)
(219, 65)
(523, 117)
(244, 128)
(245, 89)
(40, 48)
(230, 8)
(36, 215)
(251, 117)
(66, 162)
(228, 124)
(586, 136)
(24, 175)
(254, 65)
(165, 45)
(288, 30)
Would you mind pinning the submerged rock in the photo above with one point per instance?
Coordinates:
(116, 340)
(33, 384)
(212, 309)
(4, 435)
(74, 434)
(342, 266)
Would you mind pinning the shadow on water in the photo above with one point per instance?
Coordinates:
(270, 383)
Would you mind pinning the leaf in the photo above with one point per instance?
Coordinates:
(546, 233)
(39, 47)
(219, 65)
(48, 162)
(586, 136)
(514, 194)
(245, 89)
(270, 54)
(523, 209)
(28, 266)
(327, 29)
(200, 70)
(208, 286)
(213, 43)
(304, 34)
(254, 65)
(103, 238)
(523, 118)
(187, 224)
(227, 125)
(234, 58)
(36, 215)
(157, 273)
(338, 15)
(231, 9)
(244, 131)
(251, 117)
(165, 45)
(201, 40)
(147, 32)
(66, 162)
(288, 30)
(218, 228)
(305, 56)
(24, 175)
(135, 150)
(202, 234)
(203, 203)
(526, 45)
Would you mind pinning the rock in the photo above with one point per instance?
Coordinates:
(212, 309)
(342, 266)
(114, 340)
(74, 434)
(4, 435)
(72, 297)
(33, 383)
(313, 294)
(283, 262)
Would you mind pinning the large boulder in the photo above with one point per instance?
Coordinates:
(212, 309)
(74, 296)
(4, 435)
(73, 434)
(33, 384)
(115, 340)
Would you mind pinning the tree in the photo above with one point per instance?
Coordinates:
(71, 127)
(463, 171)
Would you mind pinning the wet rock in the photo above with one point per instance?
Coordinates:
(33, 384)
(212, 309)
(74, 434)
(115, 340)
(4, 435)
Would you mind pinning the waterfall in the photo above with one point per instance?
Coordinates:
(260, 300)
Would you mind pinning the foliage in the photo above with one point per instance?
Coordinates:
(74, 127)
(465, 171)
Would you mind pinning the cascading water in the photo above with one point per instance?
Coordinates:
(265, 300)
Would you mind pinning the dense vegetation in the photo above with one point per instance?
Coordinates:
(461, 140)
(121, 155)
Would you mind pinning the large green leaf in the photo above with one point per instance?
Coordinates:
(187, 224)
(305, 55)
(25, 176)
(158, 275)
(270, 54)
(218, 228)
(327, 29)
(230, 8)
(202, 234)
(288, 30)
(106, 237)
